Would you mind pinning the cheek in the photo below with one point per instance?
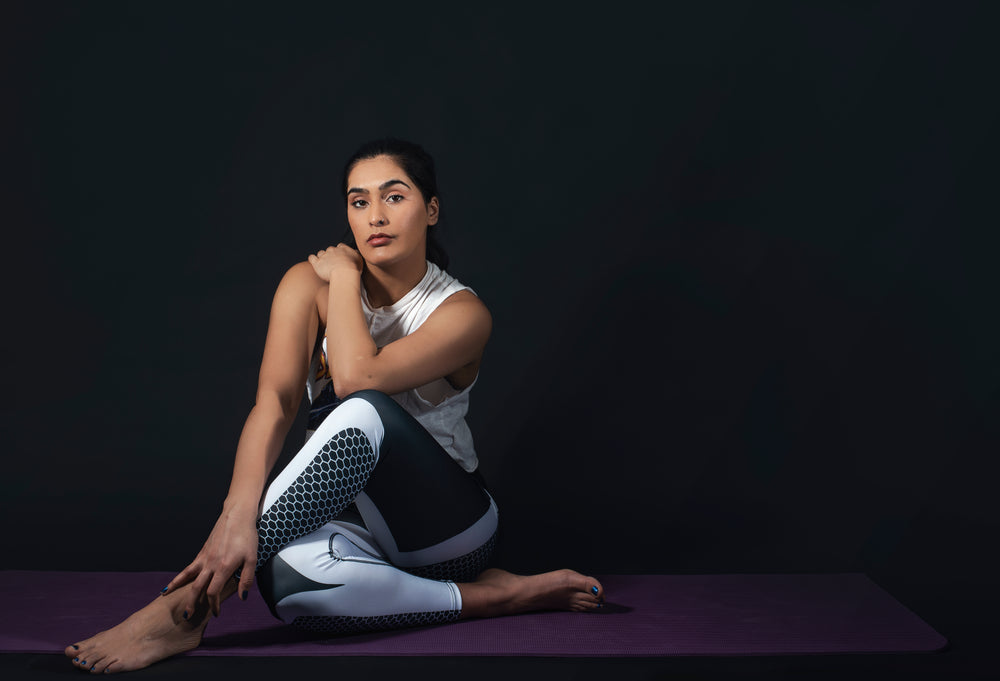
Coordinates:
(354, 221)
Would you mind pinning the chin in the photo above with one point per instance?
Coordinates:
(380, 260)
(380, 257)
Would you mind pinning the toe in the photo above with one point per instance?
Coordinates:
(96, 661)
(100, 667)
(81, 652)
(585, 603)
(84, 659)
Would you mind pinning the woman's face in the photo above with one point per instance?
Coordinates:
(387, 212)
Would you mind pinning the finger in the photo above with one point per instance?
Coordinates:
(196, 594)
(246, 578)
(214, 591)
(182, 578)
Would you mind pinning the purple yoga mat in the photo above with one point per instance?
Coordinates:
(646, 615)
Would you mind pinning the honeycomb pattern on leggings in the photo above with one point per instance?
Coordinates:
(348, 625)
(328, 484)
(462, 569)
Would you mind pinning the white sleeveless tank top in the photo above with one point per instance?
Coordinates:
(439, 407)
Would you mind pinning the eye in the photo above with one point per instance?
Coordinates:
(359, 203)
(394, 198)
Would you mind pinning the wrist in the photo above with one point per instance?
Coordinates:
(239, 506)
(345, 275)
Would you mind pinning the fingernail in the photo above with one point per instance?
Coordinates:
(594, 589)
(244, 595)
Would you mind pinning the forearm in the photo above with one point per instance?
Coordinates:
(349, 344)
(258, 450)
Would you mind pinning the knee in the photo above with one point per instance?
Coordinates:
(376, 398)
(389, 410)
(277, 580)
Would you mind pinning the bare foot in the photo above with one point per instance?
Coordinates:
(498, 592)
(151, 634)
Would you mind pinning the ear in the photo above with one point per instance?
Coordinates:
(433, 210)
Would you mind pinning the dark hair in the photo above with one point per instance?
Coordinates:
(418, 165)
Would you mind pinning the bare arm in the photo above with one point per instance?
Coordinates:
(232, 543)
(291, 332)
(453, 337)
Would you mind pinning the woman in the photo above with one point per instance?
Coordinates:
(381, 520)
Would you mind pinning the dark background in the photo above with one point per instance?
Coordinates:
(740, 258)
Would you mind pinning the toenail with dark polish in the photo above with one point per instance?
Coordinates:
(164, 589)
(185, 615)
(76, 646)
(594, 589)
(76, 659)
(244, 596)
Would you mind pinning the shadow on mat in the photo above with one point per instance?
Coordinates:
(288, 635)
(284, 634)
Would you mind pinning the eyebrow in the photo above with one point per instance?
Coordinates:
(387, 183)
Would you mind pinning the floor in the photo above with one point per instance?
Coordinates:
(968, 624)
(968, 657)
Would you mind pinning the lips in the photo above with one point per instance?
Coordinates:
(379, 239)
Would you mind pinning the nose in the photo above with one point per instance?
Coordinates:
(376, 218)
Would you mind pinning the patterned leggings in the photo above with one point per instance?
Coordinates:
(370, 525)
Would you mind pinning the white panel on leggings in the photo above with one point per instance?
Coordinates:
(352, 413)
(370, 586)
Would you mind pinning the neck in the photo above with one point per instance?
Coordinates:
(387, 285)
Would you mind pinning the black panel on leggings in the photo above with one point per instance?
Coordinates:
(422, 493)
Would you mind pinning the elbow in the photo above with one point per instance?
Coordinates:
(342, 388)
(350, 381)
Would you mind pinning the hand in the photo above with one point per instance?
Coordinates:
(231, 545)
(337, 257)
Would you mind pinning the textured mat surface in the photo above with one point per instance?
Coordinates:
(646, 615)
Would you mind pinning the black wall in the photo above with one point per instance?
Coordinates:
(741, 262)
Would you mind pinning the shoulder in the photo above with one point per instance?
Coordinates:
(466, 299)
(301, 278)
(466, 306)
(299, 286)
(303, 275)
